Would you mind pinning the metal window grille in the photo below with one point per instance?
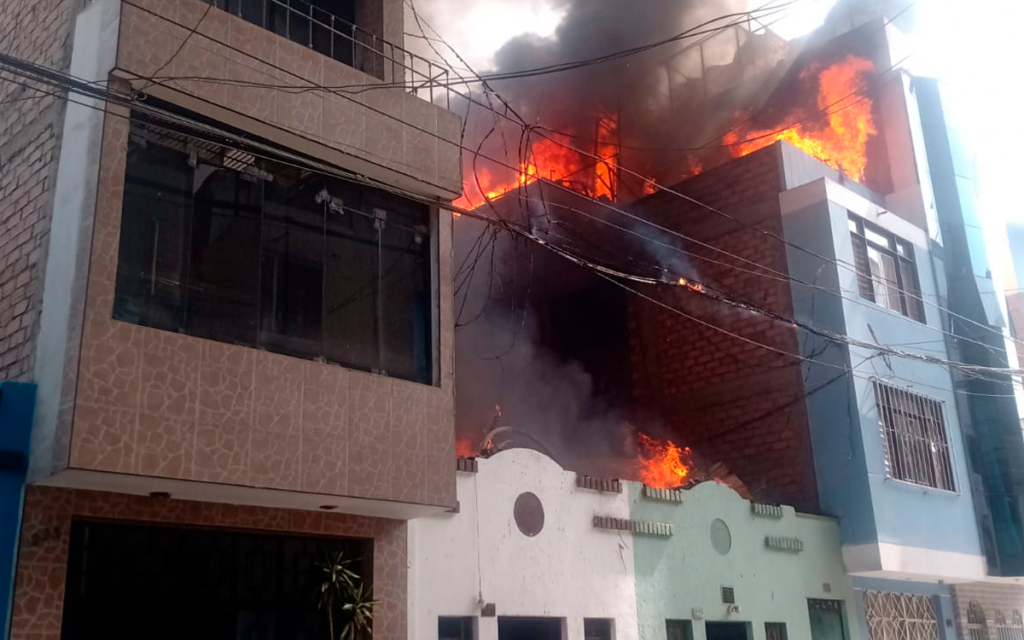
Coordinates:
(306, 23)
(900, 616)
(775, 631)
(886, 272)
(455, 628)
(679, 629)
(728, 595)
(1009, 630)
(914, 434)
(976, 625)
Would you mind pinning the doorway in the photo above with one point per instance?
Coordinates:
(529, 629)
(727, 630)
(826, 619)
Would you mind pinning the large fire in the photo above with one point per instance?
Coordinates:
(466, 448)
(663, 465)
(840, 140)
(552, 159)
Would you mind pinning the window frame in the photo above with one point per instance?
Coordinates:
(682, 625)
(931, 418)
(775, 631)
(467, 625)
(418, 224)
(866, 235)
(610, 622)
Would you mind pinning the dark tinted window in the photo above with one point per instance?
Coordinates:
(220, 244)
(455, 628)
(128, 581)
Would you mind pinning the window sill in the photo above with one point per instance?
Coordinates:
(906, 484)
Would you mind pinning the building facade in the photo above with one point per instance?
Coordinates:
(537, 551)
(232, 286)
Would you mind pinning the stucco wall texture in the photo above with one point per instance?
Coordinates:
(573, 570)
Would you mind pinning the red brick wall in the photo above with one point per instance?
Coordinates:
(730, 400)
(38, 31)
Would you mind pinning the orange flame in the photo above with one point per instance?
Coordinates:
(465, 448)
(554, 160)
(842, 141)
(663, 465)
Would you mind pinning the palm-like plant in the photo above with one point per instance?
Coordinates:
(341, 590)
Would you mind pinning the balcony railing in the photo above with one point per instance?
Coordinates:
(335, 37)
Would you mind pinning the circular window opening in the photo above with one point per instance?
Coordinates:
(529, 514)
(721, 538)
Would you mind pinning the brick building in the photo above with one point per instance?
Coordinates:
(233, 289)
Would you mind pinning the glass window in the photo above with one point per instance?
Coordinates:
(597, 629)
(886, 272)
(218, 244)
(292, 267)
(775, 631)
(914, 430)
(223, 281)
(156, 213)
(679, 629)
(326, 26)
(351, 310)
(455, 628)
(884, 280)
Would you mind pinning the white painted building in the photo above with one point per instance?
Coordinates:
(569, 570)
(497, 571)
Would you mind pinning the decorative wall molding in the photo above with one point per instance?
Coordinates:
(766, 510)
(779, 543)
(604, 485)
(665, 495)
(639, 527)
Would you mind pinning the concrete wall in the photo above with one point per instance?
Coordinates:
(570, 570)
(887, 525)
(677, 576)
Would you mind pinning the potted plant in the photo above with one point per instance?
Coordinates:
(343, 595)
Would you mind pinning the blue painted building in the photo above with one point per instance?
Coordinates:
(17, 405)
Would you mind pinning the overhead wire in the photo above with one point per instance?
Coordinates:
(858, 343)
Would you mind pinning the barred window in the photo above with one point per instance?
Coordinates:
(1012, 629)
(775, 630)
(886, 272)
(976, 628)
(900, 616)
(679, 629)
(914, 433)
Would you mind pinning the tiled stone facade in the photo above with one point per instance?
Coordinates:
(43, 556)
(38, 31)
(155, 403)
(227, 56)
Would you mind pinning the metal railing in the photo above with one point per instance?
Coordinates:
(309, 25)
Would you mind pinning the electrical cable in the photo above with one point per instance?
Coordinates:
(604, 271)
